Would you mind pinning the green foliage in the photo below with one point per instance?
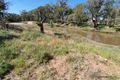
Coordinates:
(95, 9)
(44, 14)
(11, 17)
(79, 16)
(2, 5)
(19, 62)
(27, 16)
(61, 11)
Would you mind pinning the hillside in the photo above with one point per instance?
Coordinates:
(59, 54)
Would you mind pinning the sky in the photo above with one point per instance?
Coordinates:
(16, 6)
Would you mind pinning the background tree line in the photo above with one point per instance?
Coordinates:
(98, 12)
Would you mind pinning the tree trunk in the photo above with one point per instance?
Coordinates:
(41, 27)
(95, 24)
(94, 20)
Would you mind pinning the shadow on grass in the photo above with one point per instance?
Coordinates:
(7, 68)
(7, 37)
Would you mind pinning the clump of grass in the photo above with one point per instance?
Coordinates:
(59, 35)
(61, 49)
(19, 63)
(4, 68)
(41, 55)
(28, 51)
(26, 36)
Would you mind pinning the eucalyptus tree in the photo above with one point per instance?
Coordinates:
(12, 17)
(95, 9)
(79, 15)
(109, 12)
(3, 7)
(42, 14)
(61, 11)
(27, 16)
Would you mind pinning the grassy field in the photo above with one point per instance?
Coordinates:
(59, 54)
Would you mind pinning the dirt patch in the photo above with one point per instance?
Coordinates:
(73, 67)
